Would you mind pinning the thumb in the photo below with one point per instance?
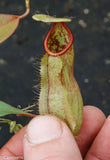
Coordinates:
(48, 138)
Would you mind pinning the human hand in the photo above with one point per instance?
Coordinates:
(48, 138)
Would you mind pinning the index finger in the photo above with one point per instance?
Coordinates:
(93, 120)
(13, 149)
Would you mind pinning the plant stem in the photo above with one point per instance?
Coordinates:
(28, 115)
(27, 9)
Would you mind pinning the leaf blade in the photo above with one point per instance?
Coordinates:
(8, 24)
(6, 109)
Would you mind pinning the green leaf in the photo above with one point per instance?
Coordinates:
(6, 109)
(8, 24)
(48, 19)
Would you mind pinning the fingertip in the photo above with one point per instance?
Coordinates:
(100, 148)
(93, 111)
(42, 129)
(52, 140)
(93, 120)
(108, 118)
(14, 147)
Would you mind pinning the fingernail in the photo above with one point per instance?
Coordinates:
(42, 129)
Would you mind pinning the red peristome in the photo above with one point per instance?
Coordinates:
(64, 48)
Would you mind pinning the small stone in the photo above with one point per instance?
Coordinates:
(2, 62)
(86, 11)
(108, 15)
(106, 20)
(107, 61)
(104, 102)
(82, 23)
(31, 59)
(86, 80)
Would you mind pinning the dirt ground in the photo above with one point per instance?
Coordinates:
(91, 29)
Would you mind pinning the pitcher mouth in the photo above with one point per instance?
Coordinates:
(58, 40)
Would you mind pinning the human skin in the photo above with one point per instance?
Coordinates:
(56, 142)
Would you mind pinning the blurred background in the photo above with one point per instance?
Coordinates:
(21, 53)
